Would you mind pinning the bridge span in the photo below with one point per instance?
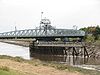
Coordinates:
(45, 30)
(41, 33)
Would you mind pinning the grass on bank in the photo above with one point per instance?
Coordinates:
(35, 62)
(73, 69)
(4, 70)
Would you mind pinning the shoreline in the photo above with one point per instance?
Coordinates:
(26, 43)
(17, 42)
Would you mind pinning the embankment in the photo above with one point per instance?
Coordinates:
(37, 67)
(20, 42)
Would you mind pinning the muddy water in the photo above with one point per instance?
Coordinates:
(14, 50)
(19, 51)
(86, 63)
(62, 59)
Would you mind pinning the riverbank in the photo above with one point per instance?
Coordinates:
(37, 67)
(14, 50)
(20, 42)
(61, 67)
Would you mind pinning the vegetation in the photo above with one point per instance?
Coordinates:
(18, 59)
(5, 70)
(84, 71)
(92, 33)
(73, 69)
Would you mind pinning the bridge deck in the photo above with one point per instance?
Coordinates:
(59, 48)
(50, 44)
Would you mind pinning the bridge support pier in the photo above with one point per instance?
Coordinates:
(61, 51)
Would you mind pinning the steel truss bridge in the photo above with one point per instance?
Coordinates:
(45, 30)
(36, 33)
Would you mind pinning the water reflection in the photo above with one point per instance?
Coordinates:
(79, 60)
(62, 59)
(14, 50)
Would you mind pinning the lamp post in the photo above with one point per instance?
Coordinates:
(75, 27)
(15, 32)
(41, 19)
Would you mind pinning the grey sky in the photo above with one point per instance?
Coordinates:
(25, 14)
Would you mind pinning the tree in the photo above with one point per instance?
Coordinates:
(97, 33)
(92, 30)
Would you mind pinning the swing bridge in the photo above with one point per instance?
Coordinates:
(45, 30)
(45, 42)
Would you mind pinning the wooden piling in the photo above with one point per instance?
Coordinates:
(63, 50)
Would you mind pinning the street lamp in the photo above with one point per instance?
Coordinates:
(15, 32)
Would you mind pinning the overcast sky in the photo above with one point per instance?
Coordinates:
(26, 14)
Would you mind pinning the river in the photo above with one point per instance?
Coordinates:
(14, 50)
(23, 52)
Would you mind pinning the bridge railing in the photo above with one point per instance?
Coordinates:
(41, 43)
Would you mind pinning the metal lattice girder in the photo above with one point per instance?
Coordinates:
(45, 30)
(41, 33)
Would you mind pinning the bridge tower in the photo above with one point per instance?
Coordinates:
(45, 28)
(46, 25)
